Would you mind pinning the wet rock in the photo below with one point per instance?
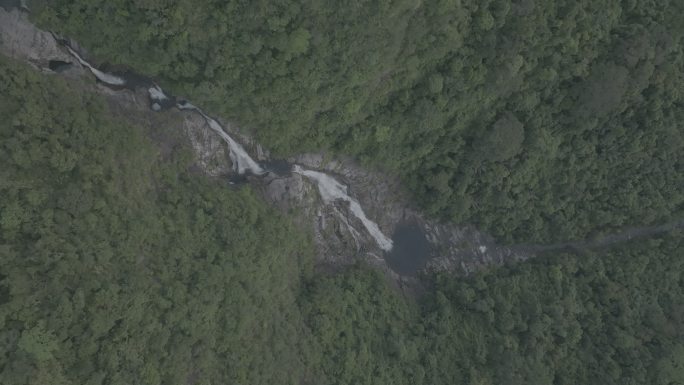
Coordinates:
(23, 41)
(452, 247)
(339, 235)
(287, 192)
(211, 152)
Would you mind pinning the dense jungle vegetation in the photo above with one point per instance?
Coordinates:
(119, 266)
(535, 120)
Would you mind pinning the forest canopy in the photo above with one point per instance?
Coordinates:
(120, 266)
(535, 120)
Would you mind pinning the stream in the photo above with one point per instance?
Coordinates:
(607, 240)
(406, 252)
(330, 189)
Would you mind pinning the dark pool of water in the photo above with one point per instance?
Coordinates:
(279, 167)
(163, 105)
(411, 250)
(237, 179)
(58, 65)
(134, 80)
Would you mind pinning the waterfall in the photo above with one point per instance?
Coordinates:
(332, 190)
(241, 160)
(329, 188)
(103, 77)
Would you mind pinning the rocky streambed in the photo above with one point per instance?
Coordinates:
(354, 213)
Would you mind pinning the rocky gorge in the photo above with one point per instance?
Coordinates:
(354, 213)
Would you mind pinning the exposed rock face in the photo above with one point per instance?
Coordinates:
(210, 151)
(23, 41)
(339, 239)
(386, 202)
(20, 39)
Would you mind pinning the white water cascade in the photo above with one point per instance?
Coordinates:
(158, 96)
(329, 188)
(241, 160)
(103, 77)
(332, 190)
(156, 93)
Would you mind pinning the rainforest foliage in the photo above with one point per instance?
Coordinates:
(536, 120)
(118, 265)
(610, 317)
